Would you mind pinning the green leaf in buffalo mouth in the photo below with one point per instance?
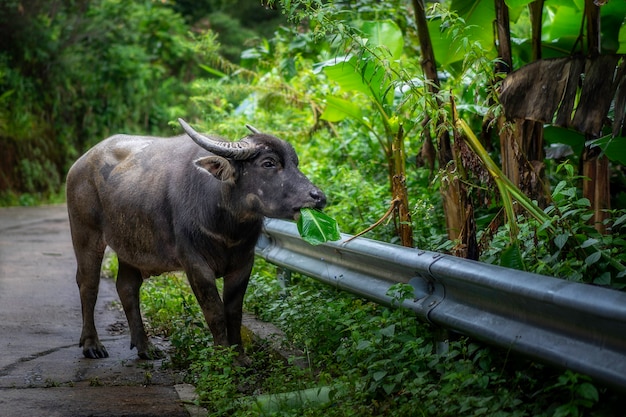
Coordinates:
(316, 227)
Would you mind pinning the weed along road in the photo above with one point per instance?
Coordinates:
(42, 369)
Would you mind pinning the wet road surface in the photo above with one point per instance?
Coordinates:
(42, 369)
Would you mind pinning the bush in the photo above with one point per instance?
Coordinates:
(72, 76)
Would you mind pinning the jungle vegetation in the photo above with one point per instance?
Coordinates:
(404, 112)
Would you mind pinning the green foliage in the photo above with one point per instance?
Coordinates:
(566, 245)
(582, 394)
(132, 78)
(223, 385)
(287, 90)
(232, 35)
(365, 359)
(74, 75)
(169, 302)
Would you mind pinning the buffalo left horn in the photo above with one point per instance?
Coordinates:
(236, 150)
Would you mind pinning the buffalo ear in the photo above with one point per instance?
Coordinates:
(217, 166)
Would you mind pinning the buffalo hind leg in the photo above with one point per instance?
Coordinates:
(89, 249)
(129, 280)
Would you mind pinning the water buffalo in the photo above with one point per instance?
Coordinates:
(192, 202)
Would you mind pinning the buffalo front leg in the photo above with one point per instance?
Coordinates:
(129, 280)
(202, 283)
(235, 285)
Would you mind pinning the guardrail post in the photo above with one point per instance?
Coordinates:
(284, 279)
(442, 340)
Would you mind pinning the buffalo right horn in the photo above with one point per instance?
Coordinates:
(253, 129)
(236, 150)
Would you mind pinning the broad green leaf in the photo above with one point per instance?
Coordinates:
(445, 52)
(338, 109)
(378, 375)
(593, 258)
(363, 344)
(344, 72)
(365, 76)
(588, 391)
(554, 134)
(565, 23)
(620, 220)
(558, 189)
(512, 258)
(385, 33)
(388, 331)
(316, 227)
(603, 279)
(612, 25)
(589, 242)
(582, 202)
(390, 388)
(614, 148)
(451, 45)
(622, 40)
(561, 240)
(513, 4)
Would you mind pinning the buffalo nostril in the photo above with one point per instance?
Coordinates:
(319, 197)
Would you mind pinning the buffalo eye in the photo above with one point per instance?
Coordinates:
(269, 164)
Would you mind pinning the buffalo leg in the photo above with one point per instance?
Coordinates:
(235, 285)
(205, 290)
(128, 284)
(89, 248)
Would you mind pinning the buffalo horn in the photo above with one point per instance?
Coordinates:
(236, 150)
(253, 129)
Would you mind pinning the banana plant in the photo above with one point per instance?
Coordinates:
(373, 71)
(510, 194)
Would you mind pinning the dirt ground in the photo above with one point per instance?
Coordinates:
(42, 369)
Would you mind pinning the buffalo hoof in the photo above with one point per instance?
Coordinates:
(95, 352)
(243, 361)
(151, 353)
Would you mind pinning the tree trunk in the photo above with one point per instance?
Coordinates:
(521, 149)
(400, 192)
(522, 146)
(503, 32)
(596, 185)
(595, 166)
(536, 11)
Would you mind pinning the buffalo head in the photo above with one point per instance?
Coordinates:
(264, 168)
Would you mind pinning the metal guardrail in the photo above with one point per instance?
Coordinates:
(575, 326)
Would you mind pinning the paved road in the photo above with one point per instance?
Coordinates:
(42, 370)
